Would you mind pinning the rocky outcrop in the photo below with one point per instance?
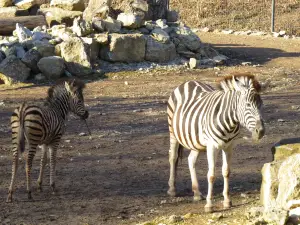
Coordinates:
(125, 48)
(97, 8)
(285, 148)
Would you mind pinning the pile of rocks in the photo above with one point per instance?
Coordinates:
(280, 195)
(75, 40)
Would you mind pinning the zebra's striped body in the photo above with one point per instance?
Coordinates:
(202, 118)
(44, 125)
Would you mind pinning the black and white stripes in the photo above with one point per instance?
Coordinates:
(202, 118)
(44, 125)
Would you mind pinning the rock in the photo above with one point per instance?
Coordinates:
(144, 30)
(56, 16)
(27, 4)
(23, 33)
(16, 50)
(150, 25)
(186, 37)
(294, 216)
(289, 183)
(101, 38)
(109, 24)
(39, 36)
(62, 32)
(81, 27)
(175, 219)
(275, 34)
(94, 47)
(159, 52)
(220, 59)
(97, 8)
(8, 12)
(45, 49)
(282, 33)
(52, 67)
(275, 216)
(217, 216)
(99, 25)
(255, 212)
(193, 63)
(20, 52)
(76, 54)
(124, 48)
(130, 20)
(285, 148)
(270, 182)
(2, 56)
(5, 3)
(72, 5)
(160, 35)
(137, 7)
(172, 16)
(227, 31)
(162, 23)
(12, 70)
(31, 58)
(206, 29)
(40, 77)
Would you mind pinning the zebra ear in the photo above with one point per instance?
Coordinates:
(67, 86)
(237, 84)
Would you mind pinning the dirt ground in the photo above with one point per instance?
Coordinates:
(119, 175)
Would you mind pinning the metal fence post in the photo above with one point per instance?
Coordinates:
(273, 16)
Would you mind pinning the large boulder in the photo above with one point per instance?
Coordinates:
(56, 16)
(22, 32)
(270, 183)
(102, 39)
(125, 48)
(289, 181)
(72, 5)
(7, 12)
(160, 35)
(157, 51)
(5, 3)
(93, 48)
(285, 148)
(53, 66)
(131, 21)
(12, 70)
(44, 48)
(81, 27)
(186, 37)
(97, 8)
(31, 58)
(2, 56)
(77, 56)
(109, 24)
(27, 4)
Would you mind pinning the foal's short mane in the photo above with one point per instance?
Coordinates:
(60, 86)
(227, 79)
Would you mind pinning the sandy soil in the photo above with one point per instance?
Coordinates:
(120, 174)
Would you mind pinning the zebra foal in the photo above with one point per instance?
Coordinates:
(44, 125)
(202, 118)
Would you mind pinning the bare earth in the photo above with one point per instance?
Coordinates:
(120, 174)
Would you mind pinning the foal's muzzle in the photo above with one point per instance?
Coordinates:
(259, 130)
(85, 115)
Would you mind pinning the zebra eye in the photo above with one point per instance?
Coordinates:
(248, 105)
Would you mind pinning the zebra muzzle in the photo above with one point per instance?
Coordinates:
(259, 130)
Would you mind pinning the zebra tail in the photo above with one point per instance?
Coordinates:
(20, 142)
(180, 153)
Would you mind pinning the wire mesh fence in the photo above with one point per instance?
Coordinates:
(240, 14)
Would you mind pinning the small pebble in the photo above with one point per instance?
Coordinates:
(82, 134)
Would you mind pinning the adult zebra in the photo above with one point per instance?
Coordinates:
(44, 125)
(202, 118)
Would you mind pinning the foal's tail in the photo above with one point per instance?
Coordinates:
(17, 129)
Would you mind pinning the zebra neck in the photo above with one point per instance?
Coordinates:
(61, 106)
(233, 101)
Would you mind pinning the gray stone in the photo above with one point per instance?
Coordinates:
(12, 70)
(93, 47)
(270, 182)
(16, 50)
(186, 37)
(81, 27)
(52, 67)
(76, 54)
(159, 52)
(227, 31)
(2, 56)
(39, 35)
(220, 59)
(22, 32)
(31, 59)
(138, 7)
(160, 35)
(5, 3)
(162, 23)
(101, 38)
(144, 30)
(20, 52)
(175, 219)
(97, 8)
(7, 12)
(109, 24)
(129, 20)
(150, 25)
(40, 77)
(44, 48)
(275, 216)
(72, 5)
(289, 182)
(27, 4)
(56, 16)
(125, 48)
(285, 148)
(172, 16)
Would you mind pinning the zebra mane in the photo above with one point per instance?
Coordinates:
(246, 80)
(59, 87)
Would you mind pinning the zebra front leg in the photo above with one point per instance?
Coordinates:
(42, 167)
(13, 176)
(53, 148)
(30, 156)
(212, 154)
(226, 173)
(173, 160)
(193, 156)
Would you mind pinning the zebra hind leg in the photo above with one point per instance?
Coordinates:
(173, 160)
(42, 167)
(30, 157)
(13, 177)
(53, 148)
(193, 156)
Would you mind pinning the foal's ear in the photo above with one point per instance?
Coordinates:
(68, 87)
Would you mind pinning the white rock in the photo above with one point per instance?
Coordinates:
(193, 63)
(22, 32)
(227, 31)
(129, 20)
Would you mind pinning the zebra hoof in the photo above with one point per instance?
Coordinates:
(171, 193)
(198, 198)
(208, 209)
(9, 199)
(29, 196)
(227, 204)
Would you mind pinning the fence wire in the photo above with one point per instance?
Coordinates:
(240, 14)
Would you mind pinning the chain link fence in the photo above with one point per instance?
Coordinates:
(240, 14)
